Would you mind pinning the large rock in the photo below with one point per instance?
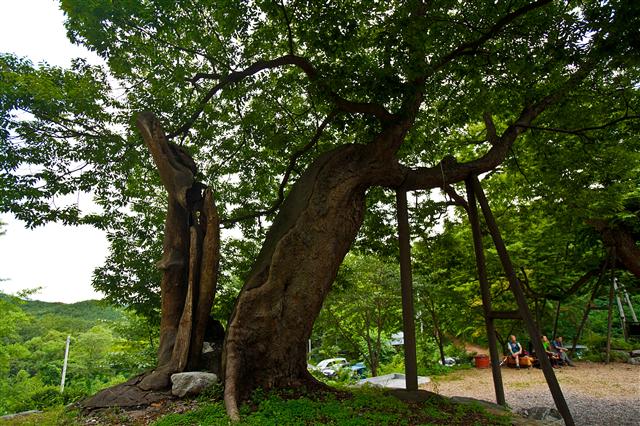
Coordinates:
(191, 383)
(549, 416)
(635, 353)
(619, 356)
(392, 381)
(634, 360)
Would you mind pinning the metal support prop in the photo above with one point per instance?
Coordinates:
(626, 297)
(532, 328)
(623, 318)
(485, 290)
(408, 321)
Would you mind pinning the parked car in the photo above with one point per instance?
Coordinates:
(329, 367)
(359, 369)
(448, 361)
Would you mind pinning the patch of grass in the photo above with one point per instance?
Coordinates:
(51, 416)
(365, 406)
(206, 414)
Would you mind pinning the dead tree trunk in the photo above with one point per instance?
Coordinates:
(190, 257)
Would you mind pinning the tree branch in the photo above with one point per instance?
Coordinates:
(471, 47)
(304, 65)
(287, 174)
(579, 132)
(289, 32)
(458, 200)
(450, 171)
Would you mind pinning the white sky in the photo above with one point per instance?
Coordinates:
(60, 259)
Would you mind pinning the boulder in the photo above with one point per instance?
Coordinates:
(635, 353)
(191, 383)
(549, 416)
(619, 356)
(634, 360)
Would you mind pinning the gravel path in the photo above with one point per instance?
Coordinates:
(597, 394)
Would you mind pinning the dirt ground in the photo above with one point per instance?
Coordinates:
(597, 394)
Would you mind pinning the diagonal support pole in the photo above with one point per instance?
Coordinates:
(547, 369)
(486, 294)
(409, 331)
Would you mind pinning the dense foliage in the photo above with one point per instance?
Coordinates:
(541, 97)
(107, 346)
(70, 130)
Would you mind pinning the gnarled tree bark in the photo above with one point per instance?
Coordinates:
(275, 311)
(190, 259)
(626, 249)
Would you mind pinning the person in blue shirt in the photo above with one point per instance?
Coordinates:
(562, 351)
(515, 349)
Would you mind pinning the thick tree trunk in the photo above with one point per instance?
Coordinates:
(275, 311)
(627, 251)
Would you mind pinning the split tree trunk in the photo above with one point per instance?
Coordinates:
(190, 257)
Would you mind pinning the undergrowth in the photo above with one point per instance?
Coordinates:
(365, 406)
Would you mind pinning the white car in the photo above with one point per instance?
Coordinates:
(329, 367)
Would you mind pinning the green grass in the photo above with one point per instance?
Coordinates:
(51, 416)
(366, 406)
(361, 407)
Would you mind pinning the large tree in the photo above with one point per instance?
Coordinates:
(288, 112)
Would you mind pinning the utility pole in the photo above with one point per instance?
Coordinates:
(64, 365)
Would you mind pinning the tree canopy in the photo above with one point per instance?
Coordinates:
(292, 111)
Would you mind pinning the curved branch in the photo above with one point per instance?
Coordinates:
(303, 64)
(458, 200)
(561, 294)
(579, 132)
(287, 174)
(472, 47)
(450, 171)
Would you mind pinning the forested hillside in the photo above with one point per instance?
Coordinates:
(108, 345)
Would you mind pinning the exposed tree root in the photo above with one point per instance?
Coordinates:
(128, 394)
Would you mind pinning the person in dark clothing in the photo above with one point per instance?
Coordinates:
(562, 351)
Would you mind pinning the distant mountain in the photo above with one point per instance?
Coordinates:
(89, 310)
(79, 316)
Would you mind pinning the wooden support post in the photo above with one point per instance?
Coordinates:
(534, 333)
(585, 316)
(555, 322)
(610, 310)
(486, 295)
(628, 300)
(408, 318)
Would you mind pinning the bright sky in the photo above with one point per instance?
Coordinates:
(60, 259)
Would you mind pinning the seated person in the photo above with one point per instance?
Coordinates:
(515, 350)
(551, 352)
(562, 351)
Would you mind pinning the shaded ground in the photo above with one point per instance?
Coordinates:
(597, 394)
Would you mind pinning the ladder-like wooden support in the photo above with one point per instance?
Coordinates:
(474, 191)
